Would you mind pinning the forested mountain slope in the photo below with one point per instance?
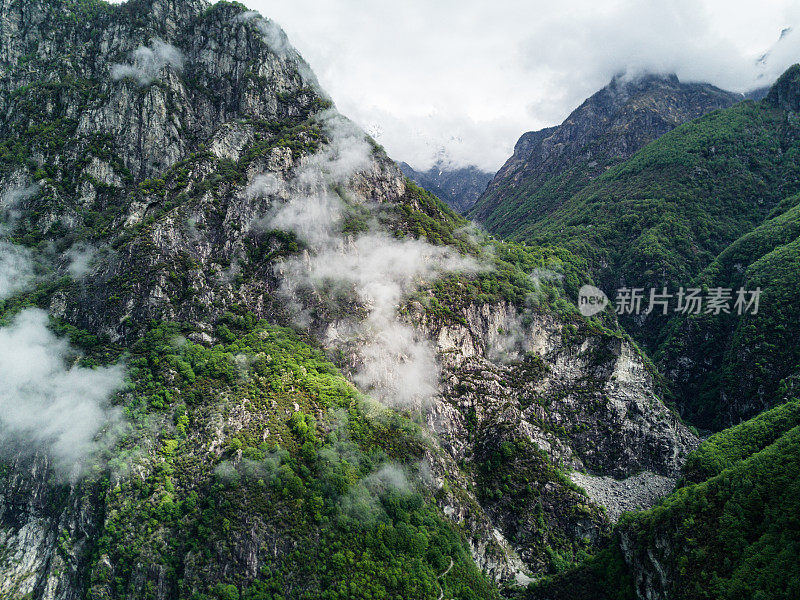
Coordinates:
(725, 367)
(663, 215)
(729, 531)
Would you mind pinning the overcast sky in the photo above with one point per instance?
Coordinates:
(471, 76)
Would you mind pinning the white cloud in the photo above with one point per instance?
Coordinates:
(45, 403)
(272, 34)
(10, 201)
(148, 62)
(395, 363)
(80, 259)
(16, 269)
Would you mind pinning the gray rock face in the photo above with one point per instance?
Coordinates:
(207, 69)
(618, 496)
(652, 568)
(46, 532)
(152, 84)
(578, 402)
(589, 402)
(784, 94)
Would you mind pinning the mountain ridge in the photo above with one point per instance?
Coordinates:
(550, 164)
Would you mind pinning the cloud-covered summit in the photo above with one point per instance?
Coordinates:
(471, 77)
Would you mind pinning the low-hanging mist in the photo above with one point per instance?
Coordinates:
(375, 269)
(16, 269)
(147, 62)
(48, 404)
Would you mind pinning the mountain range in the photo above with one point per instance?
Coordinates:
(666, 217)
(550, 165)
(244, 357)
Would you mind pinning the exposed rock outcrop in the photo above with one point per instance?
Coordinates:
(565, 402)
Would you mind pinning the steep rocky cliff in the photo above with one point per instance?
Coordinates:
(527, 405)
(186, 204)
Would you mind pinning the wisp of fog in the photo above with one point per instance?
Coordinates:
(396, 364)
(148, 62)
(46, 404)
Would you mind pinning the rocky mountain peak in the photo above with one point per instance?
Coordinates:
(607, 128)
(171, 14)
(172, 8)
(642, 80)
(168, 8)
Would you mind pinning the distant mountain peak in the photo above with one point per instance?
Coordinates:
(169, 13)
(608, 127)
(643, 77)
(173, 6)
(458, 187)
